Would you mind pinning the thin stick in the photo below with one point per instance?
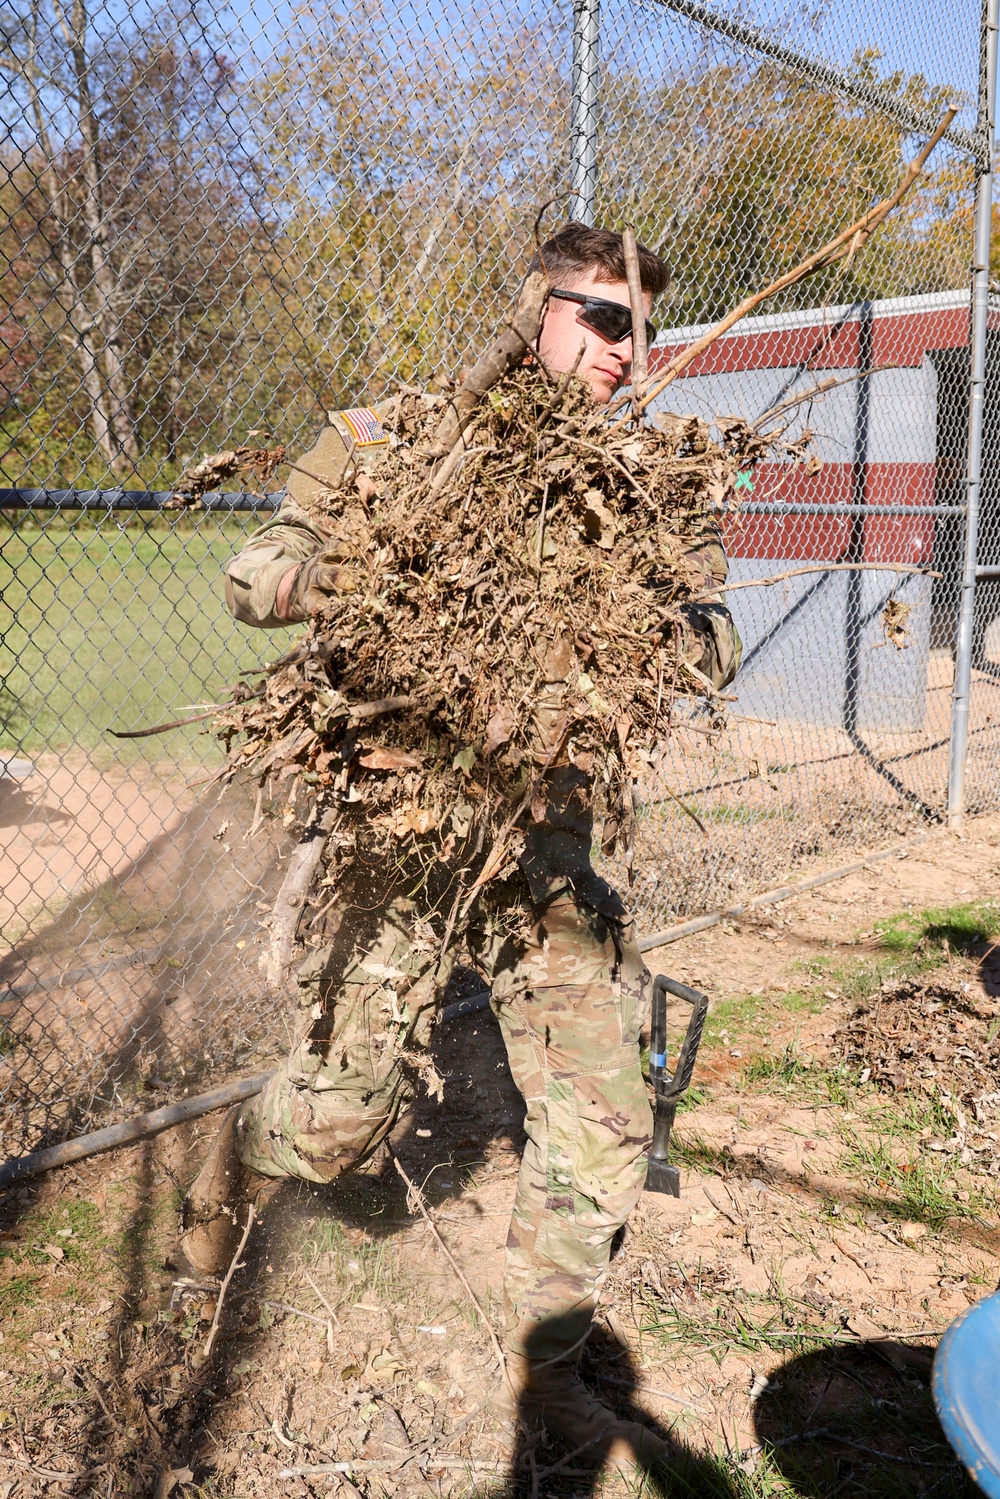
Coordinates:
(415, 1195)
(503, 355)
(640, 363)
(331, 1319)
(819, 389)
(302, 867)
(233, 1264)
(820, 567)
(683, 806)
(846, 242)
(541, 526)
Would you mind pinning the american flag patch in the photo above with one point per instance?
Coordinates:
(365, 425)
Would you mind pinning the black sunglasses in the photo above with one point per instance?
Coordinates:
(610, 319)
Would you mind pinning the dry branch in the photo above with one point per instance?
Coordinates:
(233, 1267)
(498, 360)
(640, 368)
(822, 567)
(302, 866)
(847, 242)
(416, 1197)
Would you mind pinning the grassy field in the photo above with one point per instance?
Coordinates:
(106, 625)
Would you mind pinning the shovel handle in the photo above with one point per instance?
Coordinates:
(669, 1087)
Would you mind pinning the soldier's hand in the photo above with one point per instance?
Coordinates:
(709, 642)
(317, 581)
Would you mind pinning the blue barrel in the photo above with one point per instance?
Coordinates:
(967, 1391)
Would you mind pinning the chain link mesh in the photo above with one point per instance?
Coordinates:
(217, 225)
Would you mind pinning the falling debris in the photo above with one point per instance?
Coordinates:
(524, 612)
(896, 623)
(203, 477)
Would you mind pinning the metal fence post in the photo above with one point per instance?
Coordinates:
(977, 391)
(583, 110)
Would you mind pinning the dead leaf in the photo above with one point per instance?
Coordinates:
(599, 525)
(499, 729)
(895, 623)
(382, 757)
(53, 1251)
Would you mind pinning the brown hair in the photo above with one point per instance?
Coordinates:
(576, 249)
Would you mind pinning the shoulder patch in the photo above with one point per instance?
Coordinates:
(363, 424)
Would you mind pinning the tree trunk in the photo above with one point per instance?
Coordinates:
(98, 228)
(68, 293)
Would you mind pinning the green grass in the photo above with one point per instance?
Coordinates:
(118, 626)
(919, 1188)
(911, 943)
(362, 1269)
(17, 1295)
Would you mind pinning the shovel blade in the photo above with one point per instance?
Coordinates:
(662, 1177)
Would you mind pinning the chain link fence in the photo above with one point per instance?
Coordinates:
(218, 225)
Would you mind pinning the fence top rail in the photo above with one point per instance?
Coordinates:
(871, 95)
(131, 499)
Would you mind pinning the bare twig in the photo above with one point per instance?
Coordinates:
(628, 1384)
(826, 1434)
(389, 1465)
(724, 1211)
(847, 242)
(502, 356)
(294, 1311)
(683, 806)
(820, 567)
(819, 389)
(415, 1195)
(333, 1319)
(233, 1266)
(640, 368)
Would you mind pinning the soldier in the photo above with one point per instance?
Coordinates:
(569, 987)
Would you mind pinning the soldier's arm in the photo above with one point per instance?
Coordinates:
(711, 641)
(261, 578)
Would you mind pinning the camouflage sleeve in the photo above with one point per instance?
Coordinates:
(711, 639)
(253, 575)
(293, 535)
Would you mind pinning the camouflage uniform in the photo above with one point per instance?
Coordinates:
(569, 989)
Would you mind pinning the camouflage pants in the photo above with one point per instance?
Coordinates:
(570, 991)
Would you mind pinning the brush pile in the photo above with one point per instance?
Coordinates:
(523, 615)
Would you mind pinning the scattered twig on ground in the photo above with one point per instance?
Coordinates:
(826, 1434)
(294, 1311)
(640, 1389)
(415, 1195)
(738, 1222)
(233, 1266)
(333, 1320)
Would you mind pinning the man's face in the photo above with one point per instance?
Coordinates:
(605, 366)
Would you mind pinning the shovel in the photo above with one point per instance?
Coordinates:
(662, 1177)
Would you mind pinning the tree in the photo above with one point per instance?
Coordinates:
(77, 227)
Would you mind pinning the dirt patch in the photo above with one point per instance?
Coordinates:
(69, 824)
(775, 1322)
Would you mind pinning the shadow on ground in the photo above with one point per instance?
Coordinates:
(858, 1421)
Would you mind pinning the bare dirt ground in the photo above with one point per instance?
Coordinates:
(70, 823)
(776, 1322)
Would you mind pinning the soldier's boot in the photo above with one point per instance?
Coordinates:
(554, 1396)
(214, 1214)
